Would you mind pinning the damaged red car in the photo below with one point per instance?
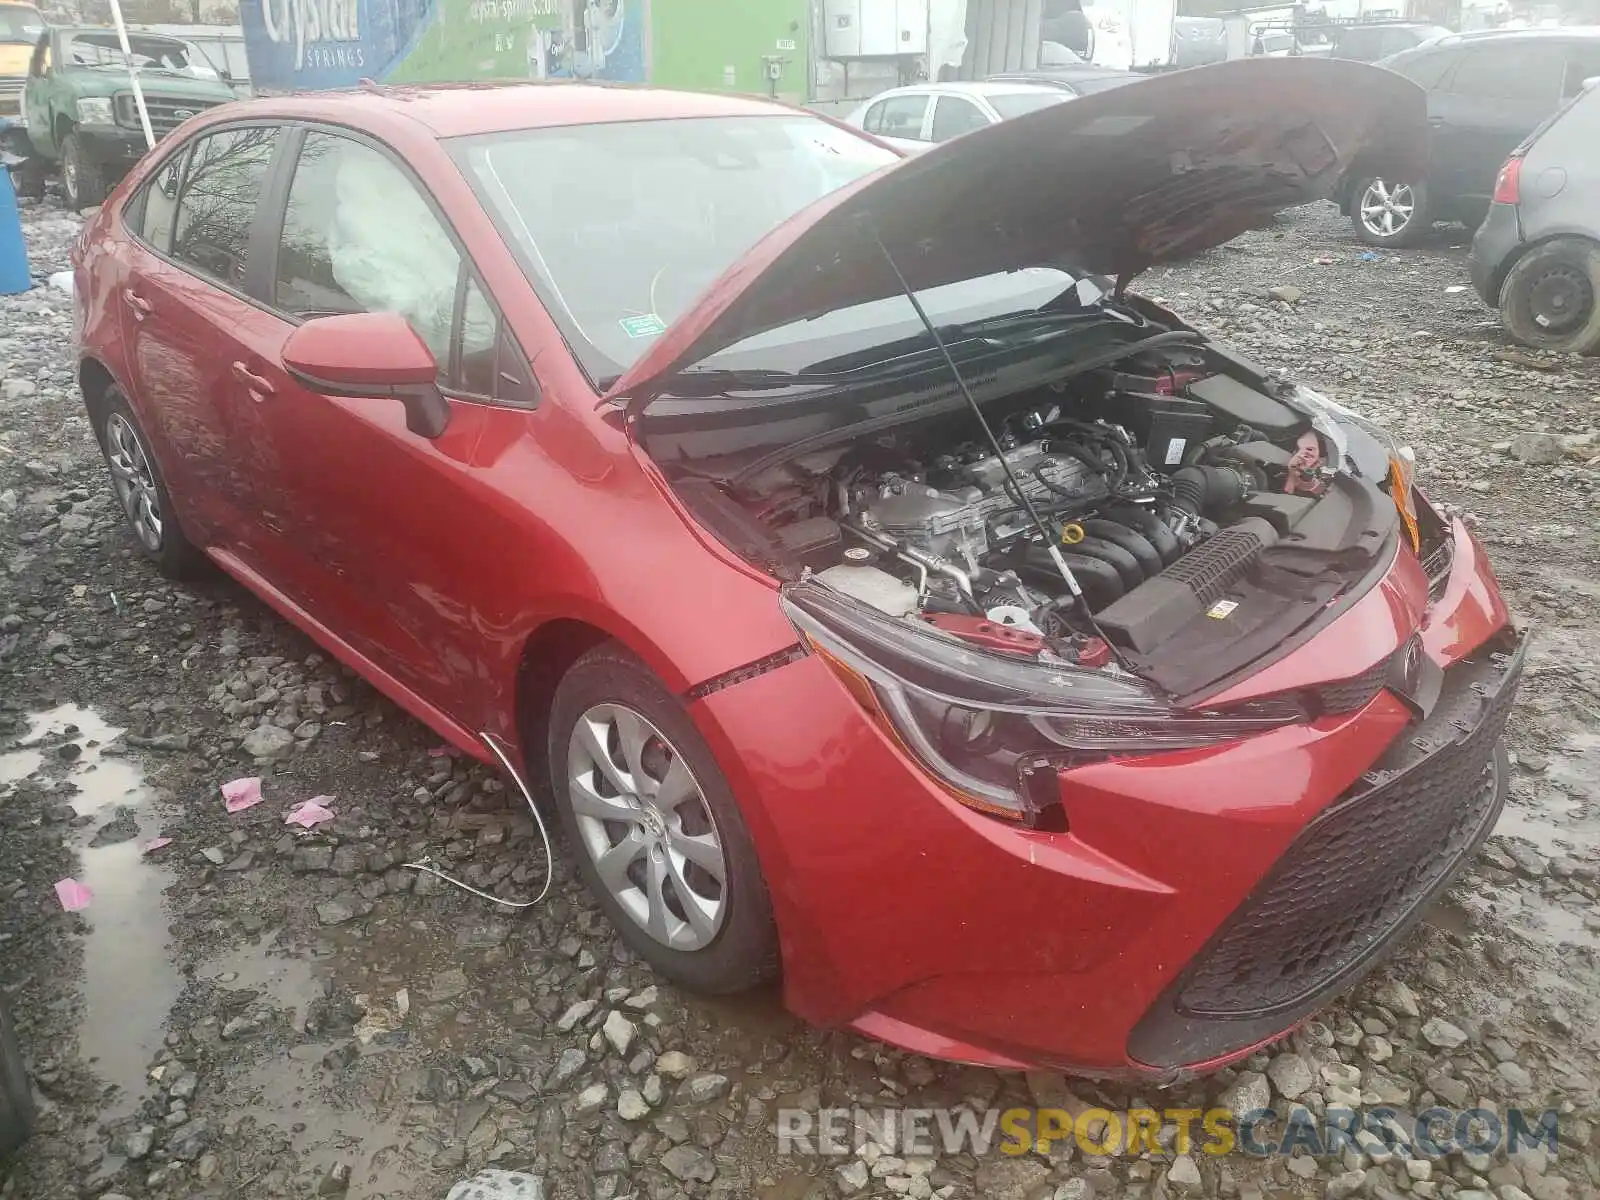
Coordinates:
(886, 595)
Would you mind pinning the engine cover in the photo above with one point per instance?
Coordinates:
(959, 521)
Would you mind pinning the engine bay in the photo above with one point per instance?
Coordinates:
(1188, 506)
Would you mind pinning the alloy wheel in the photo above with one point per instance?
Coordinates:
(134, 480)
(1386, 210)
(644, 822)
(1560, 299)
(69, 176)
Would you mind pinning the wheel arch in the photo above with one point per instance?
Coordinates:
(547, 655)
(94, 381)
(1523, 249)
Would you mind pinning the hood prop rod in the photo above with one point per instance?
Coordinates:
(1050, 543)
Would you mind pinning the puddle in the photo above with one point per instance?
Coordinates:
(130, 983)
(18, 765)
(282, 982)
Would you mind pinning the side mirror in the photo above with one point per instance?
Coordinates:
(370, 354)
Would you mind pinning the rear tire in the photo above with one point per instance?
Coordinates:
(1549, 299)
(137, 483)
(82, 179)
(613, 723)
(16, 1097)
(1390, 214)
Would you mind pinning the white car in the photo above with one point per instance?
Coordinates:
(915, 118)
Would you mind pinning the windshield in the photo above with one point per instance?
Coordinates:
(101, 49)
(20, 24)
(620, 227)
(1014, 104)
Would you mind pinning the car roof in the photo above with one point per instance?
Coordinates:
(1065, 73)
(1556, 33)
(464, 109)
(971, 87)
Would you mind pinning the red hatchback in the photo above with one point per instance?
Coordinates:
(889, 596)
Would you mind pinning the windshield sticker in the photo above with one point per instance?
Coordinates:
(640, 327)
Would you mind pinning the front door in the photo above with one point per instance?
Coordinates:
(381, 525)
(184, 309)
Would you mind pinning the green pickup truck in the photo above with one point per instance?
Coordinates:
(80, 109)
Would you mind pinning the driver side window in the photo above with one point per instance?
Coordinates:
(359, 236)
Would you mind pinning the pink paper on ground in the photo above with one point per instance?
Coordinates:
(312, 813)
(155, 844)
(73, 895)
(240, 794)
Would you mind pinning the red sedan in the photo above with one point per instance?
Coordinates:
(890, 597)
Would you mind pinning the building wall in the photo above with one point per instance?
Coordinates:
(718, 46)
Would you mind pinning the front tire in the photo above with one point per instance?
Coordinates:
(1390, 213)
(82, 179)
(139, 488)
(16, 1097)
(654, 828)
(1549, 299)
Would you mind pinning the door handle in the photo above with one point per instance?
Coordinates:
(251, 380)
(141, 307)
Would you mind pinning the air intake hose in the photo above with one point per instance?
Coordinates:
(1199, 489)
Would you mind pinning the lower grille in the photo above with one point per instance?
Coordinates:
(1348, 695)
(166, 112)
(1354, 880)
(10, 97)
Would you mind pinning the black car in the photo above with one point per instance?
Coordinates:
(1486, 93)
(16, 1097)
(1369, 42)
(1536, 256)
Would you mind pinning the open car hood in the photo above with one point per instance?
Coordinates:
(1108, 184)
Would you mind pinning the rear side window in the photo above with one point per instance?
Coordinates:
(1517, 71)
(154, 211)
(898, 116)
(1427, 69)
(227, 173)
(954, 116)
(1583, 62)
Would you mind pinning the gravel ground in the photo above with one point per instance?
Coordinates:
(251, 1011)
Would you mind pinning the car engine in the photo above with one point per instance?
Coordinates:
(1154, 502)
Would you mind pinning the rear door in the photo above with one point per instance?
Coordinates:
(1496, 95)
(185, 310)
(381, 525)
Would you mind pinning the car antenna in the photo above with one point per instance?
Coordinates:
(1051, 548)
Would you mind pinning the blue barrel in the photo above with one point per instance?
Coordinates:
(14, 274)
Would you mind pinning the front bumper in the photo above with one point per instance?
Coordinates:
(1493, 246)
(111, 145)
(908, 917)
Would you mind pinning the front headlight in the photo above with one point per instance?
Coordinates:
(94, 110)
(985, 723)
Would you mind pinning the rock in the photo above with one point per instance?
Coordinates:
(1291, 1075)
(336, 1182)
(686, 1163)
(1249, 1093)
(619, 1031)
(240, 1027)
(335, 912)
(852, 1177)
(516, 1091)
(1442, 1035)
(138, 1144)
(1538, 449)
(1351, 1183)
(267, 742)
(631, 1106)
(1184, 1176)
(184, 1086)
(591, 1100)
(704, 1089)
(675, 1064)
(1516, 1077)
(493, 1184)
(1530, 862)
(447, 985)
(566, 1069)
(575, 1015)
(1288, 293)
(1009, 1178)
